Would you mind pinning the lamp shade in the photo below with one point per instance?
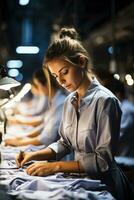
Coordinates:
(6, 83)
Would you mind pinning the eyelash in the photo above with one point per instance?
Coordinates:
(63, 73)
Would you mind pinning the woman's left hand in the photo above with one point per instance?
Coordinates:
(42, 168)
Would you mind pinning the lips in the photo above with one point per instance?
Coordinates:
(67, 86)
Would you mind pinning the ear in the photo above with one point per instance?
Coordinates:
(82, 61)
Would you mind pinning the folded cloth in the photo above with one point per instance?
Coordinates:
(54, 182)
(56, 187)
(64, 194)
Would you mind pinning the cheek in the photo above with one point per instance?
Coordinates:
(72, 76)
(75, 77)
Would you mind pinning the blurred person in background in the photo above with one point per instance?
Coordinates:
(126, 141)
(33, 103)
(47, 131)
(34, 110)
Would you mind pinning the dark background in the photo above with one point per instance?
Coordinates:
(101, 24)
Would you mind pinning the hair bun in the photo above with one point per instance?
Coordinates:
(68, 32)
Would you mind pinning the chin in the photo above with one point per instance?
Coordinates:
(70, 90)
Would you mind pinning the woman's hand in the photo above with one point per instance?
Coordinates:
(23, 157)
(43, 154)
(43, 168)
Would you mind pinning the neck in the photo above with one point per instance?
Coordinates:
(84, 86)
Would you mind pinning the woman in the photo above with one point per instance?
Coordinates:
(90, 120)
(47, 131)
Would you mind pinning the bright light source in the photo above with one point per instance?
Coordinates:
(99, 39)
(110, 50)
(14, 64)
(20, 95)
(13, 72)
(7, 83)
(23, 2)
(27, 50)
(19, 77)
(130, 82)
(117, 76)
(128, 76)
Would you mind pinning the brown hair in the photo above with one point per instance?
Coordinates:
(46, 79)
(67, 46)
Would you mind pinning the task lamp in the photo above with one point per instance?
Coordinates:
(6, 83)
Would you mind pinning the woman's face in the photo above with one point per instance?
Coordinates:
(68, 76)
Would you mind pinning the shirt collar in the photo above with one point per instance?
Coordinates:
(91, 91)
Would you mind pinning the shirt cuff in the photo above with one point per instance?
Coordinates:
(59, 149)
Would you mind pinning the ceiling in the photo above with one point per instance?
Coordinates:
(101, 24)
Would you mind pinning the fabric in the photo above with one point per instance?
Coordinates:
(58, 187)
(9, 153)
(63, 194)
(94, 136)
(52, 120)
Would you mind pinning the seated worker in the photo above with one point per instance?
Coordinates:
(126, 140)
(90, 121)
(34, 105)
(38, 107)
(47, 132)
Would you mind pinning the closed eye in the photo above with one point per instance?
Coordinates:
(64, 71)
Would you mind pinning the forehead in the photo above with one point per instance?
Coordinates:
(56, 64)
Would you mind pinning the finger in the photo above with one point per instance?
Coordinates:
(32, 165)
(31, 169)
(33, 172)
(17, 161)
(19, 158)
(25, 160)
(39, 172)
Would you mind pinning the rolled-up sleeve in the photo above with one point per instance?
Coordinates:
(62, 147)
(108, 117)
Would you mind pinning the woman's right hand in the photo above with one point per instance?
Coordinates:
(43, 154)
(23, 158)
